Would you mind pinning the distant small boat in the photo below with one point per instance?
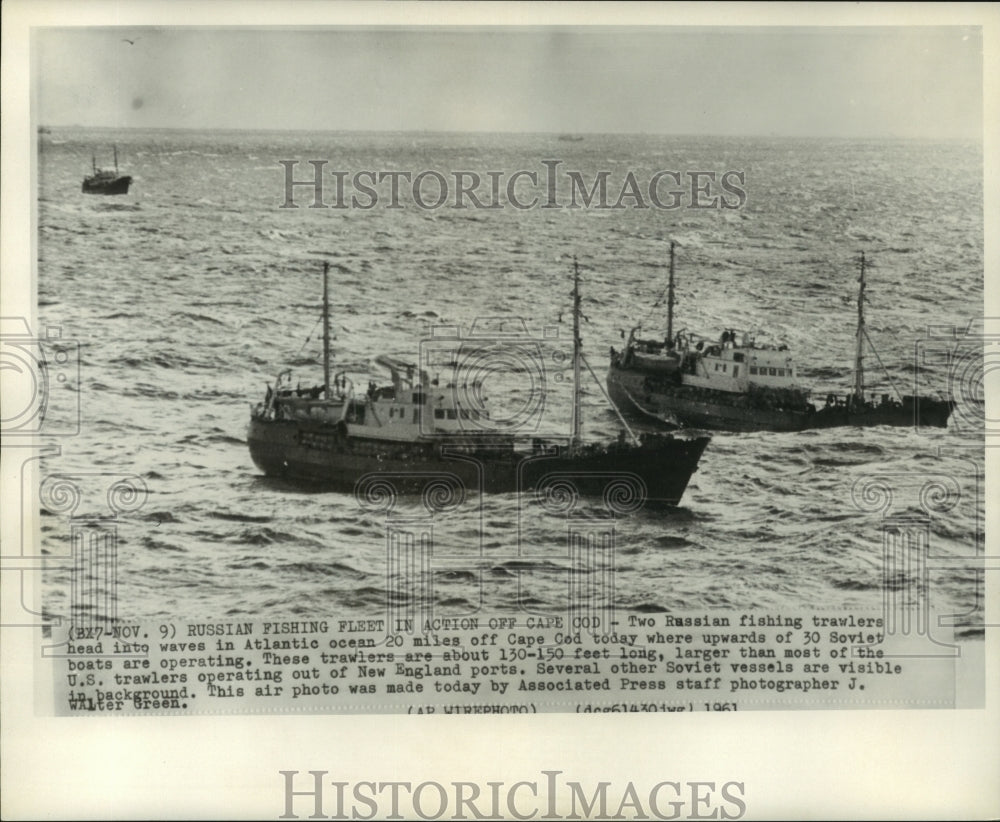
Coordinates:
(570, 138)
(105, 181)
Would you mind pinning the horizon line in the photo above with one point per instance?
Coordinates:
(574, 134)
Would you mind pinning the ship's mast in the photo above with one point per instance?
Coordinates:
(326, 330)
(93, 162)
(116, 159)
(859, 361)
(670, 299)
(577, 345)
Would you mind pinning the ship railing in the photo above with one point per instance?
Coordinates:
(738, 339)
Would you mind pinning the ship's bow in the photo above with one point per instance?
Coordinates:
(666, 465)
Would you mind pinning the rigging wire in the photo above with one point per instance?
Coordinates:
(309, 336)
(886, 370)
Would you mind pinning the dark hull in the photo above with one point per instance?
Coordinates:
(652, 398)
(917, 412)
(625, 476)
(117, 186)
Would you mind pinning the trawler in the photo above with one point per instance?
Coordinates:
(736, 384)
(416, 433)
(105, 181)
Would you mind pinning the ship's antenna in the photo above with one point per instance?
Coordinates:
(326, 329)
(670, 299)
(577, 344)
(859, 357)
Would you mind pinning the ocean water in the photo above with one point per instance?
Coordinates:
(190, 293)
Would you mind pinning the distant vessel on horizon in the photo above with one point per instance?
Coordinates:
(105, 181)
(420, 436)
(734, 384)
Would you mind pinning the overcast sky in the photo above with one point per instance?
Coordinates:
(836, 82)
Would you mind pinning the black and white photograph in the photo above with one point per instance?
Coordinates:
(410, 410)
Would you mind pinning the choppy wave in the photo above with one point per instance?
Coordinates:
(189, 295)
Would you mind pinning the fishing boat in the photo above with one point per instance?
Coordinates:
(734, 383)
(105, 181)
(416, 433)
